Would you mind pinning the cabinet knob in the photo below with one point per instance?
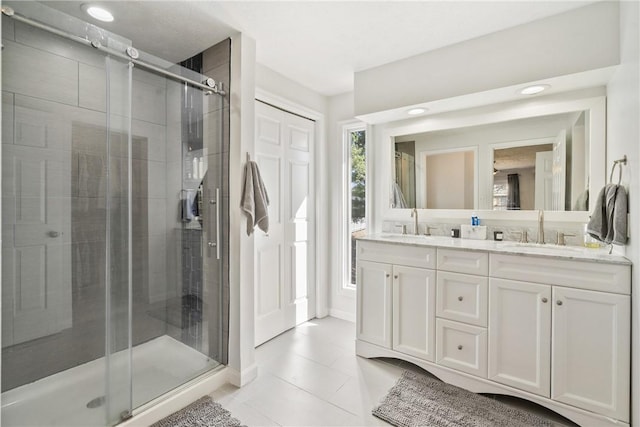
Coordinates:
(559, 302)
(460, 298)
(395, 277)
(544, 300)
(460, 347)
(388, 275)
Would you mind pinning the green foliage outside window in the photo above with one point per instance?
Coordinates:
(358, 176)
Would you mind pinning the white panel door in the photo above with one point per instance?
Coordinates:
(559, 171)
(544, 180)
(414, 311)
(520, 335)
(591, 348)
(36, 222)
(285, 257)
(373, 322)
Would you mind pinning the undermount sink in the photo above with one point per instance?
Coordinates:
(421, 237)
(536, 247)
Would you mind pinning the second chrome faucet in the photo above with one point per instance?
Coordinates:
(414, 215)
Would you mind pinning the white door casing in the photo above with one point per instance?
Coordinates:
(285, 257)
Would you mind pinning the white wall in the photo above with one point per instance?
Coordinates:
(242, 116)
(539, 50)
(623, 136)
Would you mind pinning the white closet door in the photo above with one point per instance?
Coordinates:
(36, 252)
(285, 257)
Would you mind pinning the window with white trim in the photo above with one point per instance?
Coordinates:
(355, 197)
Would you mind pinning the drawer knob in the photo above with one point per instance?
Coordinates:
(460, 347)
(544, 300)
(559, 302)
(460, 298)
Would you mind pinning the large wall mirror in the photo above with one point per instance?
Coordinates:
(532, 161)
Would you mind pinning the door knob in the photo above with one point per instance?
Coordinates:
(54, 234)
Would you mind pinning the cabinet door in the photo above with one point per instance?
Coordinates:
(414, 292)
(520, 335)
(373, 281)
(590, 360)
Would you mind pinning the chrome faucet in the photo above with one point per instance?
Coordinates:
(414, 215)
(540, 238)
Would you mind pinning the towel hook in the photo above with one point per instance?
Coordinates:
(619, 163)
(248, 157)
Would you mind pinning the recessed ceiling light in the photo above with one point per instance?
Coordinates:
(416, 111)
(98, 12)
(532, 90)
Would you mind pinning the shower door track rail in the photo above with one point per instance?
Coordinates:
(209, 86)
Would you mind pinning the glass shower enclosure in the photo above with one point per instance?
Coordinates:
(112, 239)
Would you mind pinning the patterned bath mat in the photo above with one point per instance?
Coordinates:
(419, 400)
(204, 412)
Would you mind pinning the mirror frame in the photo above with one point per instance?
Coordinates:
(594, 107)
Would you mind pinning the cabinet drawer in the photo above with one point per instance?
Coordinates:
(595, 276)
(462, 347)
(462, 297)
(469, 262)
(411, 256)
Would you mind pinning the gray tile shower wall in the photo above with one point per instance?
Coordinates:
(217, 64)
(69, 113)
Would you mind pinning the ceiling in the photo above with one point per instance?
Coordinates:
(319, 44)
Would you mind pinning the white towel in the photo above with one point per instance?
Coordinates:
(608, 221)
(255, 200)
(398, 197)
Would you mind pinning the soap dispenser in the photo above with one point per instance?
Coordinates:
(474, 219)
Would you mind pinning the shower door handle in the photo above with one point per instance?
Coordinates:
(217, 223)
(216, 244)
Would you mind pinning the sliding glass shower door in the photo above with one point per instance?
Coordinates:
(113, 236)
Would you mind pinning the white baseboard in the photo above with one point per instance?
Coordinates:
(162, 407)
(240, 379)
(344, 315)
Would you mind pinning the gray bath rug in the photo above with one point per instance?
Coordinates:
(419, 400)
(204, 412)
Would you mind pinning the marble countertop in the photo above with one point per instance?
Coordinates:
(577, 253)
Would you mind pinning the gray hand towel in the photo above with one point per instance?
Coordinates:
(608, 221)
(255, 200)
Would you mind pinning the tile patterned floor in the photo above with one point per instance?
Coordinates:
(310, 376)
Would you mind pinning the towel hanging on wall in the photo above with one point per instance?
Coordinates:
(255, 200)
(608, 221)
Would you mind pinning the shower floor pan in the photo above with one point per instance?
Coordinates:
(76, 397)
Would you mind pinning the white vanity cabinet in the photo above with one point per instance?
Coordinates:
(591, 350)
(551, 329)
(373, 281)
(407, 309)
(414, 292)
(520, 335)
(572, 345)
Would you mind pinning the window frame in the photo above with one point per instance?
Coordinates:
(346, 287)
